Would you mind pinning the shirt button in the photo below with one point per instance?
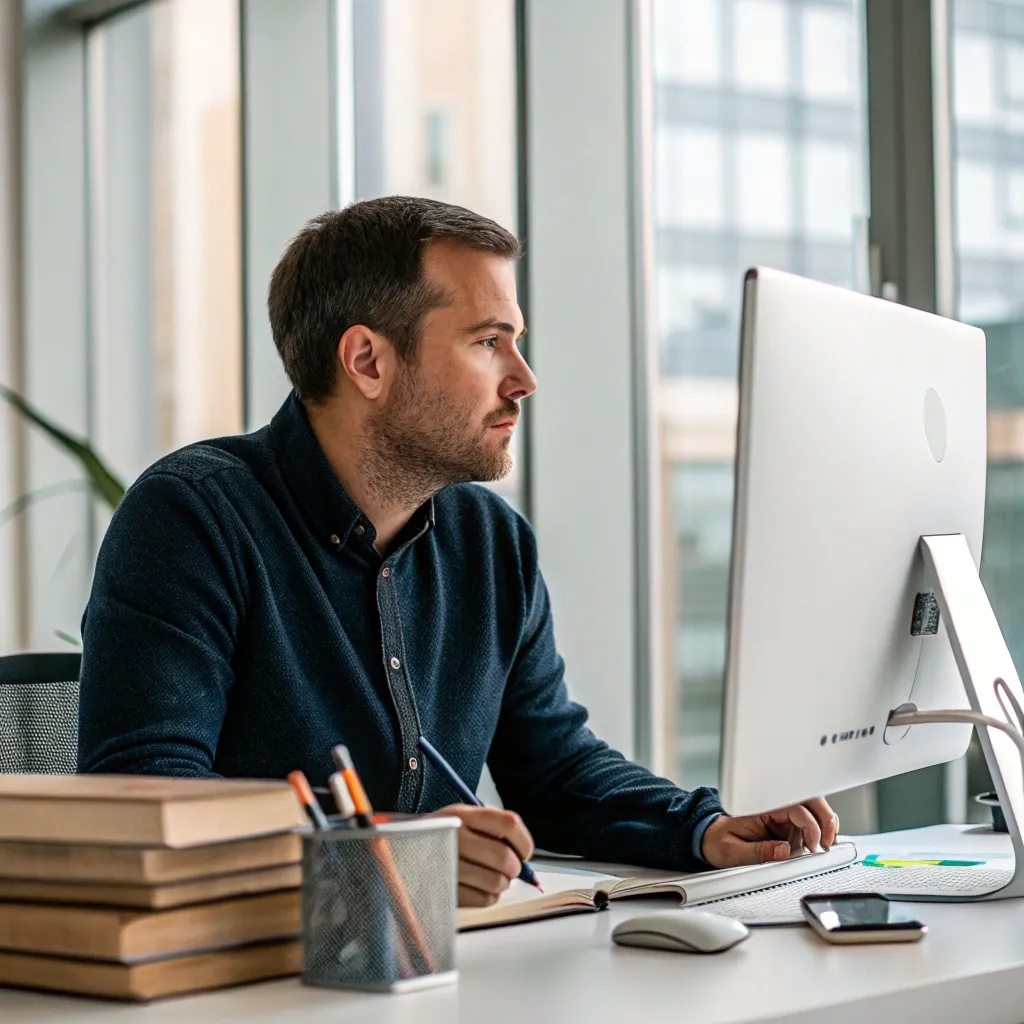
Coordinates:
(385, 572)
(360, 530)
(335, 539)
(395, 663)
(413, 763)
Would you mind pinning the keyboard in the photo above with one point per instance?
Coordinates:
(780, 904)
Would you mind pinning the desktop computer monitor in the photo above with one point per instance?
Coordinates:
(862, 428)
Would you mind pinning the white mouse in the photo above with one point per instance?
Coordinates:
(682, 931)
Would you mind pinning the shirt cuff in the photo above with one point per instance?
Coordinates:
(698, 839)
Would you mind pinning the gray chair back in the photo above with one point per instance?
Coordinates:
(39, 713)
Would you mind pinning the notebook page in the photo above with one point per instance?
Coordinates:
(521, 901)
(553, 882)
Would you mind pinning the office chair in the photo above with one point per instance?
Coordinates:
(39, 713)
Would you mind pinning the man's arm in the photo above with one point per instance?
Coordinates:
(576, 794)
(158, 635)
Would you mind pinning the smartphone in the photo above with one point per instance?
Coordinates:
(860, 917)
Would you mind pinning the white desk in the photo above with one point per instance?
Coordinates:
(970, 967)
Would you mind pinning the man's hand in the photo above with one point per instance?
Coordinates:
(492, 847)
(758, 838)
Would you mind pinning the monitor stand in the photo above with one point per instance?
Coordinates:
(990, 679)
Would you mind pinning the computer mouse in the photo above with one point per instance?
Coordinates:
(681, 931)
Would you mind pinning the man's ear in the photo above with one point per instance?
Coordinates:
(367, 360)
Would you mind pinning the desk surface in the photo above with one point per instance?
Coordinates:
(970, 966)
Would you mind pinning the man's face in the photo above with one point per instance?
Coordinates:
(452, 410)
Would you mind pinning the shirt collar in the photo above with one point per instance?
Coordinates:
(316, 487)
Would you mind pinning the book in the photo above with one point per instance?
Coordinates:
(153, 897)
(145, 865)
(131, 936)
(154, 980)
(569, 892)
(143, 810)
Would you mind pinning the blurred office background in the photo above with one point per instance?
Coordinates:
(157, 155)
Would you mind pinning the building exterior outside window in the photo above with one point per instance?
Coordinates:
(760, 158)
(988, 163)
(434, 114)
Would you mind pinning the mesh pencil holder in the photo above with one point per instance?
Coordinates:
(378, 905)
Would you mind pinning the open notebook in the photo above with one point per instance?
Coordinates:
(569, 892)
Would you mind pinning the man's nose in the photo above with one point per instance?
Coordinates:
(520, 383)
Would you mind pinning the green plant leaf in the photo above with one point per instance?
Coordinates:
(104, 483)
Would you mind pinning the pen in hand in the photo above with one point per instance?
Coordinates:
(434, 756)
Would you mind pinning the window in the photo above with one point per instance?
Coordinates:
(154, 359)
(760, 45)
(1013, 72)
(977, 220)
(1014, 197)
(829, 53)
(434, 113)
(164, 206)
(989, 233)
(688, 46)
(760, 157)
(764, 201)
(437, 149)
(830, 174)
(689, 177)
(974, 79)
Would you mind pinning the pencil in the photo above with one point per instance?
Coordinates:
(302, 790)
(347, 770)
(381, 850)
(434, 755)
(342, 797)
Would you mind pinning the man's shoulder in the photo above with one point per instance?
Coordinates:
(200, 489)
(237, 459)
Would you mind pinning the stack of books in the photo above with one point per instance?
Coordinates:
(134, 887)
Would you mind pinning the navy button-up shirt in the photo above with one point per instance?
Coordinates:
(241, 623)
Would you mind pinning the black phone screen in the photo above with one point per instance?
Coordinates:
(858, 912)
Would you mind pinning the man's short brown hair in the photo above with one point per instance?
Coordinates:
(364, 265)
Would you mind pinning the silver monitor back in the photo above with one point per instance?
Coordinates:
(862, 427)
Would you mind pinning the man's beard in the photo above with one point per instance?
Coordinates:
(420, 442)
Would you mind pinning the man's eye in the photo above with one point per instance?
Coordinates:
(491, 342)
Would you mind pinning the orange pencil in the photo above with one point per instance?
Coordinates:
(347, 770)
(382, 852)
(342, 797)
(386, 860)
(305, 794)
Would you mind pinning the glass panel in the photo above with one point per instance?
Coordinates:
(164, 192)
(988, 117)
(434, 103)
(163, 205)
(760, 158)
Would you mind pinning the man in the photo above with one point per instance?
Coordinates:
(333, 577)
